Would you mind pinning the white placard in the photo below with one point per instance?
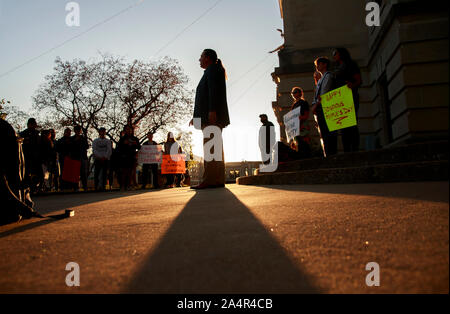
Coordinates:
(150, 154)
(292, 123)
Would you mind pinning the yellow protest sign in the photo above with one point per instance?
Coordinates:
(173, 164)
(338, 108)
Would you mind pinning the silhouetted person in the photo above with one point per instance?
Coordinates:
(127, 148)
(16, 201)
(79, 147)
(211, 107)
(113, 167)
(171, 147)
(54, 168)
(146, 168)
(348, 73)
(266, 138)
(32, 153)
(133, 181)
(102, 150)
(63, 147)
(325, 84)
(48, 157)
(302, 140)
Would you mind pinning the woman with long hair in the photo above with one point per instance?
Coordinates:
(212, 109)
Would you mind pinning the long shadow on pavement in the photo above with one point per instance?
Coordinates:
(48, 204)
(216, 245)
(51, 203)
(24, 227)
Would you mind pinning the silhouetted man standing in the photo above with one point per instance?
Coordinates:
(102, 150)
(211, 107)
(32, 153)
(266, 138)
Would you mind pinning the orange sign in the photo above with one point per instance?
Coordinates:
(173, 164)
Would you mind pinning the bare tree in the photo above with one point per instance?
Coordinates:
(112, 93)
(16, 117)
(152, 95)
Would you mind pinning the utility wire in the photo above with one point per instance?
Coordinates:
(72, 38)
(187, 27)
(252, 85)
(103, 22)
(250, 70)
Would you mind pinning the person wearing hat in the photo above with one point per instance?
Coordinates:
(102, 150)
(172, 179)
(266, 138)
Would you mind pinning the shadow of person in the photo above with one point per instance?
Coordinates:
(47, 204)
(216, 245)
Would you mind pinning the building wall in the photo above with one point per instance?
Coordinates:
(307, 28)
(234, 170)
(404, 64)
(408, 62)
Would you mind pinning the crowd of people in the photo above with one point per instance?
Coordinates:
(326, 78)
(63, 164)
(53, 165)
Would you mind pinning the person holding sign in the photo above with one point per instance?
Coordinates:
(147, 167)
(324, 85)
(127, 147)
(303, 139)
(172, 148)
(78, 152)
(348, 73)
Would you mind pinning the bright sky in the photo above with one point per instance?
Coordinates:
(33, 33)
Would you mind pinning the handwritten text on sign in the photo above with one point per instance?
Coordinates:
(150, 154)
(338, 108)
(292, 123)
(173, 164)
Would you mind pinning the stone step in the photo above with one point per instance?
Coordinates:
(431, 151)
(399, 172)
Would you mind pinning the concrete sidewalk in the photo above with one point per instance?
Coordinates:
(241, 239)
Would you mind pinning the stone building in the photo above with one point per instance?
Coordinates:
(234, 170)
(404, 64)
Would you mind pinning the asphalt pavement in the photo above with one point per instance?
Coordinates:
(238, 239)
